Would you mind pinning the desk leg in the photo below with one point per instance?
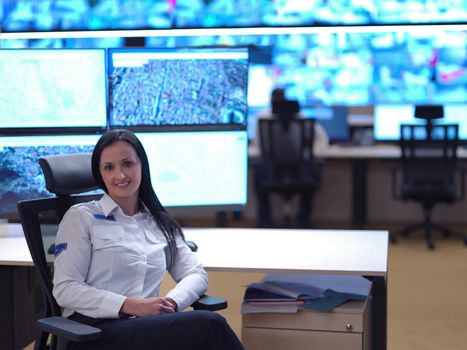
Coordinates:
(359, 193)
(379, 313)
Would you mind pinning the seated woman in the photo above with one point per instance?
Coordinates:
(113, 256)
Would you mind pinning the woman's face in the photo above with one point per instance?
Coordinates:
(120, 168)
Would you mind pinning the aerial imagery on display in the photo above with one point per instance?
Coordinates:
(20, 174)
(179, 92)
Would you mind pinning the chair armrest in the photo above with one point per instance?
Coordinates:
(206, 302)
(68, 329)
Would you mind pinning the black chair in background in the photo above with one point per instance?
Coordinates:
(288, 166)
(429, 173)
(67, 176)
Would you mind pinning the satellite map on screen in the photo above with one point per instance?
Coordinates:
(52, 88)
(21, 176)
(149, 90)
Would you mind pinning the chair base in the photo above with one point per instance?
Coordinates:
(427, 229)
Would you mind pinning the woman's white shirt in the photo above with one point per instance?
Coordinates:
(104, 256)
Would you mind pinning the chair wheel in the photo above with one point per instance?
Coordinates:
(431, 246)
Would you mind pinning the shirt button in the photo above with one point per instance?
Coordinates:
(144, 258)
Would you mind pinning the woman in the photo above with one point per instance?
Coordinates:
(112, 254)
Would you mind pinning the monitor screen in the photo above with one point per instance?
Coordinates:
(178, 86)
(187, 168)
(388, 118)
(21, 176)
(333, 119)
(52, 88)
(202, 168)
(357, 68)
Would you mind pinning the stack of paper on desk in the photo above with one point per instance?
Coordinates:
(279, 292)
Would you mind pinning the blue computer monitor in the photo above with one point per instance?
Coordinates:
(389, 117)
(201, 168)
(177, 86)
(333, 119)
(52, 88)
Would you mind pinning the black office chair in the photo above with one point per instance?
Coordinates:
(288, 164)
(67, 176)
(429, 173)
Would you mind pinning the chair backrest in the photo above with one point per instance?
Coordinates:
(429, 156)
(286, 146)
(66, 175)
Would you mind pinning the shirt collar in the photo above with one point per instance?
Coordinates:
(108, 205)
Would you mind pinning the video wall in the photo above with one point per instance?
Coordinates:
(321, 67)
(324, 66)
(153, 87)
(139, 66)
(40, 15)
(59, 101)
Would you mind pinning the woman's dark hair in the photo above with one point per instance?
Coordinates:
(166, 223)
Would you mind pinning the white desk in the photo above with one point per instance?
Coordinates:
(263, 250)
(259, 250)
(13, 248)
(311, 251)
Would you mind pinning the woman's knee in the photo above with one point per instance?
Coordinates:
(210, 318)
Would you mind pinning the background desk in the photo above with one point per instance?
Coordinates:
(263, 250)
(359, 158)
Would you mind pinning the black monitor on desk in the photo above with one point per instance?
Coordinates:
(389, 117)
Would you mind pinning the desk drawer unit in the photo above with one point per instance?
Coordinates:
(346, 327)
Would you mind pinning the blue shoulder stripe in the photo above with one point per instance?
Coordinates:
(60, 248)
(103, 217)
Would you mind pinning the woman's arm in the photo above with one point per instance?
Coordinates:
(191, 278)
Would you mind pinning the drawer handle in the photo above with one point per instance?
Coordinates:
(349, 327)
